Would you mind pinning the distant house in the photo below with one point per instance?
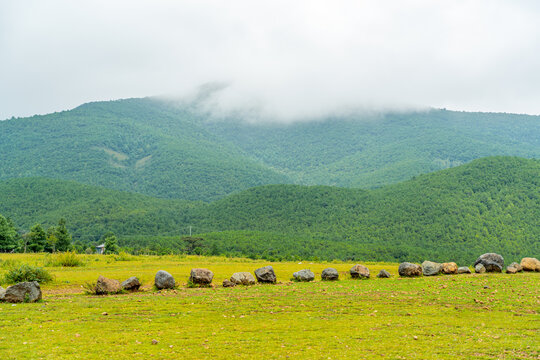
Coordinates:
(100, 249)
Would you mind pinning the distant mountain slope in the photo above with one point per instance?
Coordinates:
(368, 151)
(490, 204)
(168, 150)
(136, 145)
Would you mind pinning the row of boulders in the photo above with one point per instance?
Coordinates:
(489, 262)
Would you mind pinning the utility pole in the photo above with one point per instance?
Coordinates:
(190, 231)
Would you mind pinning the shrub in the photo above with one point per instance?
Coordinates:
(66, 259)
(25, 272)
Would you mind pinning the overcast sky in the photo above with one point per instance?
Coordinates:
(288, 58)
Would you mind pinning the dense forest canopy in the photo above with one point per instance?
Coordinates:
(490, 204)
(173, 151)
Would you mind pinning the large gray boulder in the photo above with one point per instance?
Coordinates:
(383, 274)
(463, 270)
(28, 291)
(492, 262)
(201, 276)
(408, 269)
(330, 274)
(265, 275)
(530, 264)
(2, 293)
(430, 268)
(131, 284)
(107, 286)
(243, 278)
(359, 271)
(164, 280)
(304, 275)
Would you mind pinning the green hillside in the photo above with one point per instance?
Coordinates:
(136, 145)
(490, 204)
(169, 150)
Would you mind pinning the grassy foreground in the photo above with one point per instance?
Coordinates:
(444, 317)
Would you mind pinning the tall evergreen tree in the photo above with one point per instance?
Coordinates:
(37, 239)
(111, 244)
(63, 237)
(8, 235)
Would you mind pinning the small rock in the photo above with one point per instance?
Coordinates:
(492, 262)
(383, 274)
(479, 269)
(449, 268)
(201, 276)
(415, 337)
(409, 270)
(304, 275)
(131, 284)
(486, 287)
(228, 283)
(330, 274)
(513, 268)
(359, 271)
(464, 270)
(164, 280)
(28, 291)
(107, 286)
(430, 268)
(243, 278)
(2, 293)
(266, 274)
(530, 264)
(155, 342)
(104, 313)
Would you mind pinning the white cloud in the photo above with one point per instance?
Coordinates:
(291, 59)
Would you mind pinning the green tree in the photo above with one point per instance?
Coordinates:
(36, 239)
(193, 245)
(63, 237)
(50, 246)
(111, 244)
(8, 235)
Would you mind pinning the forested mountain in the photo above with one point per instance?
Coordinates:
(167, 150)
(490, 204)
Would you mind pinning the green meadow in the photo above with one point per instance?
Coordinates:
(487, 316)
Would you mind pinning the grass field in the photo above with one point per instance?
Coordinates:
(445, 317)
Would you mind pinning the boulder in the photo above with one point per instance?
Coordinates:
(383, 274)
(430, 268)
(107, 286)
(228, 283)
(463, 270)
(359, 271)
(201, 276)
(164, 280)
(479, 269)
(304, 275)
(408, 269)
(131, 284)
(530, 264)
(265, 274)
(449, 268)
(330, 274)
(2, 293)
(514, 268)
(492, 262)
(243, 278)
(28, 291)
